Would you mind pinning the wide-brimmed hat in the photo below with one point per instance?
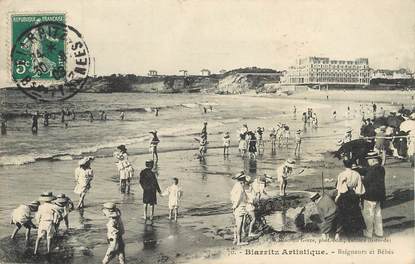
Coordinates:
(61, 198)
(289, 163)
(314, 196)
(109, 206)
(382, 128)
(372, 155)
(46, 197)
(34, 203)
(85, 160)
(349, 129)
(339, 142)
(153, 131)
(205, 122)
(122, 148)
(110, 210)
(298, 131)
(241, 176)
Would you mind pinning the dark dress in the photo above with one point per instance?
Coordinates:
(149, 183)
(350, 218)
(252, 144)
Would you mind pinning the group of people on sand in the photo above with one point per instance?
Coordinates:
(247, 193)
(354, 209)
(310, 118)
(253, 143)
(49, 210)
(44, 214)
(385, 137)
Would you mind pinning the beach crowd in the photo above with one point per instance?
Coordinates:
(353, 209)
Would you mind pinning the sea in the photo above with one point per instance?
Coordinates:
(33, 163)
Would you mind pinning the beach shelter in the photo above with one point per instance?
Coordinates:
(408, 125)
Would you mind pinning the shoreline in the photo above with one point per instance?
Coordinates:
(206, 218)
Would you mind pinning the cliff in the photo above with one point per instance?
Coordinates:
(235, 81)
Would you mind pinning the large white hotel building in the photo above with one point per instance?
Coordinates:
(324, 71)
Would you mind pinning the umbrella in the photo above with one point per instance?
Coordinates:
(358, 147)
(380, 121)
(408, 125)
(394, 121)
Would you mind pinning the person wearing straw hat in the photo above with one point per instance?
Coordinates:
(283, 172)
(64, 207)
(125, 169)
(150, 186)
(374, 182)
(239, 199)
(83, 177)
(327, 210)
(297, 142)
(348, 135)
(380, 143)
(115, 231)
(22, 216)
(154, 141)
(349, 190)
(46, 217)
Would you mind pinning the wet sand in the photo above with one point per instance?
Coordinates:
(205, 221)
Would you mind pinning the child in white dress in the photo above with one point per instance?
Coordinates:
(175, 194)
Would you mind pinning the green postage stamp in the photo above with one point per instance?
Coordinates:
(49, 59)
(42, 52)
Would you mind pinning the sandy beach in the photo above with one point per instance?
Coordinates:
(204, 230)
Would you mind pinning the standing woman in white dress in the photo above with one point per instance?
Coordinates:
(125, 169)
(83, 177)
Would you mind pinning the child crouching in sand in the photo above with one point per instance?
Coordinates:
(175, 194)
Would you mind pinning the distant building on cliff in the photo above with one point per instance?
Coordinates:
(325, 71)
(390, 74)
(152, 73)
(205, 72)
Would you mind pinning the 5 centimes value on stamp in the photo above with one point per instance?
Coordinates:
(50, 59)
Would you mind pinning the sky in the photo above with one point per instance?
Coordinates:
(136, 36)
